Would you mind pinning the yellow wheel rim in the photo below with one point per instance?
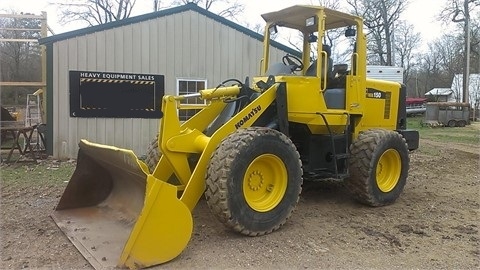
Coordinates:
(265, 182)
(389, 168)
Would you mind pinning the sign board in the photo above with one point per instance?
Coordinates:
(120, 95)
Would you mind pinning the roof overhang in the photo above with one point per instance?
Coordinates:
(162, 13)
(439, 92)
(294, 17)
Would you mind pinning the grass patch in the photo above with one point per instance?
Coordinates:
(46, 172)
(469, 134)
(430, 150)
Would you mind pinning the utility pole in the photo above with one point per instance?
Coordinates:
(393, 49)
(466, 59)
(466, 73)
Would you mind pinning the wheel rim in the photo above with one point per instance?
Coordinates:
(389, 168)
(265, 182)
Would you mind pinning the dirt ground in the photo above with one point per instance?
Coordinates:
(433, 225)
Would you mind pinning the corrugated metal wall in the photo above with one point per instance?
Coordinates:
(183, 45)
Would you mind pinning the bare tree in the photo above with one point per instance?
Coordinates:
(407, 40)
(331, 37)
(95, 12)
(449, 49)
(225, 8)
(157, 5)
(459, 11)
(446, 55)
(431, 71)
(475, 46)
(19, 61)
(439, 64)
(380, 17)
(453, 10)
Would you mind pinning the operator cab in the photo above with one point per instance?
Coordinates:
(316, 26)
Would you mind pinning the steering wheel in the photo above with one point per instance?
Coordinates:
(294, 61)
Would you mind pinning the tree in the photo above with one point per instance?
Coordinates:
(429, 73)
(157, 5)
(459, 12)
(331, 38)
(406, 42)
(438, 65)
(449, 49)
(380, 17)
(225, 8)
(19, 61)
(475, 46)
(94, 12)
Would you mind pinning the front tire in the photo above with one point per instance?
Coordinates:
(254, 181)
(378, 167)
(153, 154)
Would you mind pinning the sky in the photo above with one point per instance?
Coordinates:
(421, 13)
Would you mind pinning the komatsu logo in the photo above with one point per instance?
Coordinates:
(248, 116)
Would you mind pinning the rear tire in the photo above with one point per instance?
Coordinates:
(461, 123)
(378, 167)
(254, 181)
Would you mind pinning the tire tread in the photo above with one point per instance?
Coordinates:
(362, 164)
(217, 177)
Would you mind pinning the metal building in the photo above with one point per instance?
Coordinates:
(188, 45)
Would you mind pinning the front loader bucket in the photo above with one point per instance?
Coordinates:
(117, 214)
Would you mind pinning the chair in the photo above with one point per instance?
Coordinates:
(312, 69)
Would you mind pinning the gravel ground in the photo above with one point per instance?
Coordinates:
(433, 225)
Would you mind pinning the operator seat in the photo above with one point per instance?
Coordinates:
(312, 69)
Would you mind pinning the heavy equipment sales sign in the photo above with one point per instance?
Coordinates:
(122, 95)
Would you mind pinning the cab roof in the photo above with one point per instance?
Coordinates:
(295, 16)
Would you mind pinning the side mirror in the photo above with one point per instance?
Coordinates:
(273, 29)
(312, 38)
(350, 32)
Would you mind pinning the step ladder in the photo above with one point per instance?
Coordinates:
(340, 156)
(33, 117)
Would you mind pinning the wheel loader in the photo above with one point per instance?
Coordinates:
(248, 150)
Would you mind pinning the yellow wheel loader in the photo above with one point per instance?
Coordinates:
(248, 149)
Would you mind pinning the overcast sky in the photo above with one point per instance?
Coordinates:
(421, 13)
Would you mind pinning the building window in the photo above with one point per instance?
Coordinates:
(190, 86)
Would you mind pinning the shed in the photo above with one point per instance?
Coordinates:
(440, 95)
(455, 92)
(188, 47)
